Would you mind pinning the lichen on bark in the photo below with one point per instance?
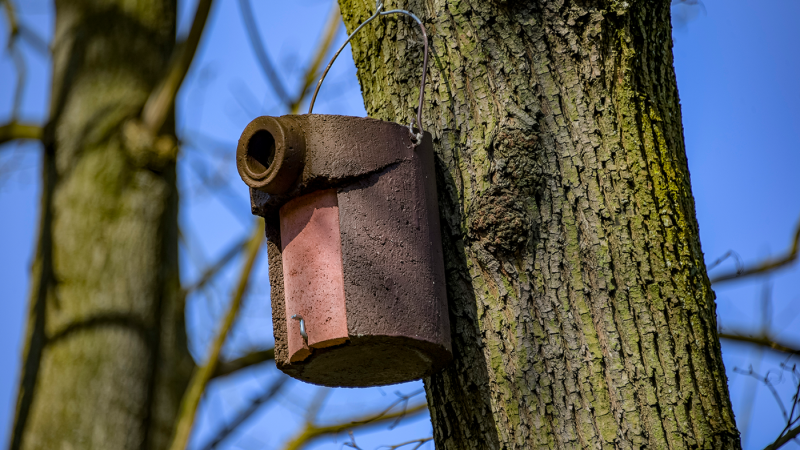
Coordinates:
(581, 310)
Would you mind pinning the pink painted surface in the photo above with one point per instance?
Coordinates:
(312, 272)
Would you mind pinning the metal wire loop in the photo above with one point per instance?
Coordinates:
(380, 12)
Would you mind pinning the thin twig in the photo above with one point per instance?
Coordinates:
(765, 381)
(788, 433)
(780, 442)
(311, 73)
(728, 254)
(17, 58)
(18, 29)
(22, 78)
(312, 412)
(215, 268)
(261, 52)
(163, 96)
(201, 376)
(228, 367)
(312, 432)
(790, 418)
(402, 399)
(36, 41)
(352, 443)
(223, 191)
(763, 340)
(11, 16)
(765, 266)
(247, 412)
(207, 144)
(419, 443)
(14, 130)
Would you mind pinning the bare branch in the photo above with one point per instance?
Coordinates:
(221, 189)
(22, 78)
(316, 404)
(247, 412)
(14, 130)
(13, 24)
(201, 377)
(163, 96)
(764, 379)
(36, 41)
(312, 432)
(728, 254)
(783, 440)
(261, 53)
(18, 29)
(207, 144)
(214, 269)
(15, 30)
(311, 74)
(251, 359)
(352, 443)
(766, 266)
(763, 340)
(791, 430)
(419, 443)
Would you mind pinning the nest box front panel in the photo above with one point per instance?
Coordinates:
(312, 272)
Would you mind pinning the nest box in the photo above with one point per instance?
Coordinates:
(355, 256)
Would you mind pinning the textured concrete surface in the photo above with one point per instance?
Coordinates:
(392, 253)
(391, 265)
(337, 150)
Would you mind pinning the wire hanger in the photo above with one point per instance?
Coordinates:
(380, 12)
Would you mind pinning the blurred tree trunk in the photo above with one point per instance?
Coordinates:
(581, 312)
(105, 360)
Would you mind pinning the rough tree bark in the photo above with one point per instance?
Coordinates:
(105, 361)
(581, 311)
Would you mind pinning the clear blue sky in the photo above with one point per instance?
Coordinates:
(737, 65)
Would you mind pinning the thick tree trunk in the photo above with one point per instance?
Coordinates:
(105, 361)
(581, 312)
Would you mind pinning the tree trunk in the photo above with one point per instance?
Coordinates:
(581, 311)
(105, 360)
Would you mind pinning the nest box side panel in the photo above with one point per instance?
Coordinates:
(273, 232)
(391, 248)
(312, 273)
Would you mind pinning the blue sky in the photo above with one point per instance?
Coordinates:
(737, 65)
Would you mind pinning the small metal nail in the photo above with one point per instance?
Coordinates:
(302, 327)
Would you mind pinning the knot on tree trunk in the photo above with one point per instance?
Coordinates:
(499, 221)
(147, 150)
(516, 160)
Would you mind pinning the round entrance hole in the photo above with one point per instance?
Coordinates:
(260, 152)
(270, 155)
